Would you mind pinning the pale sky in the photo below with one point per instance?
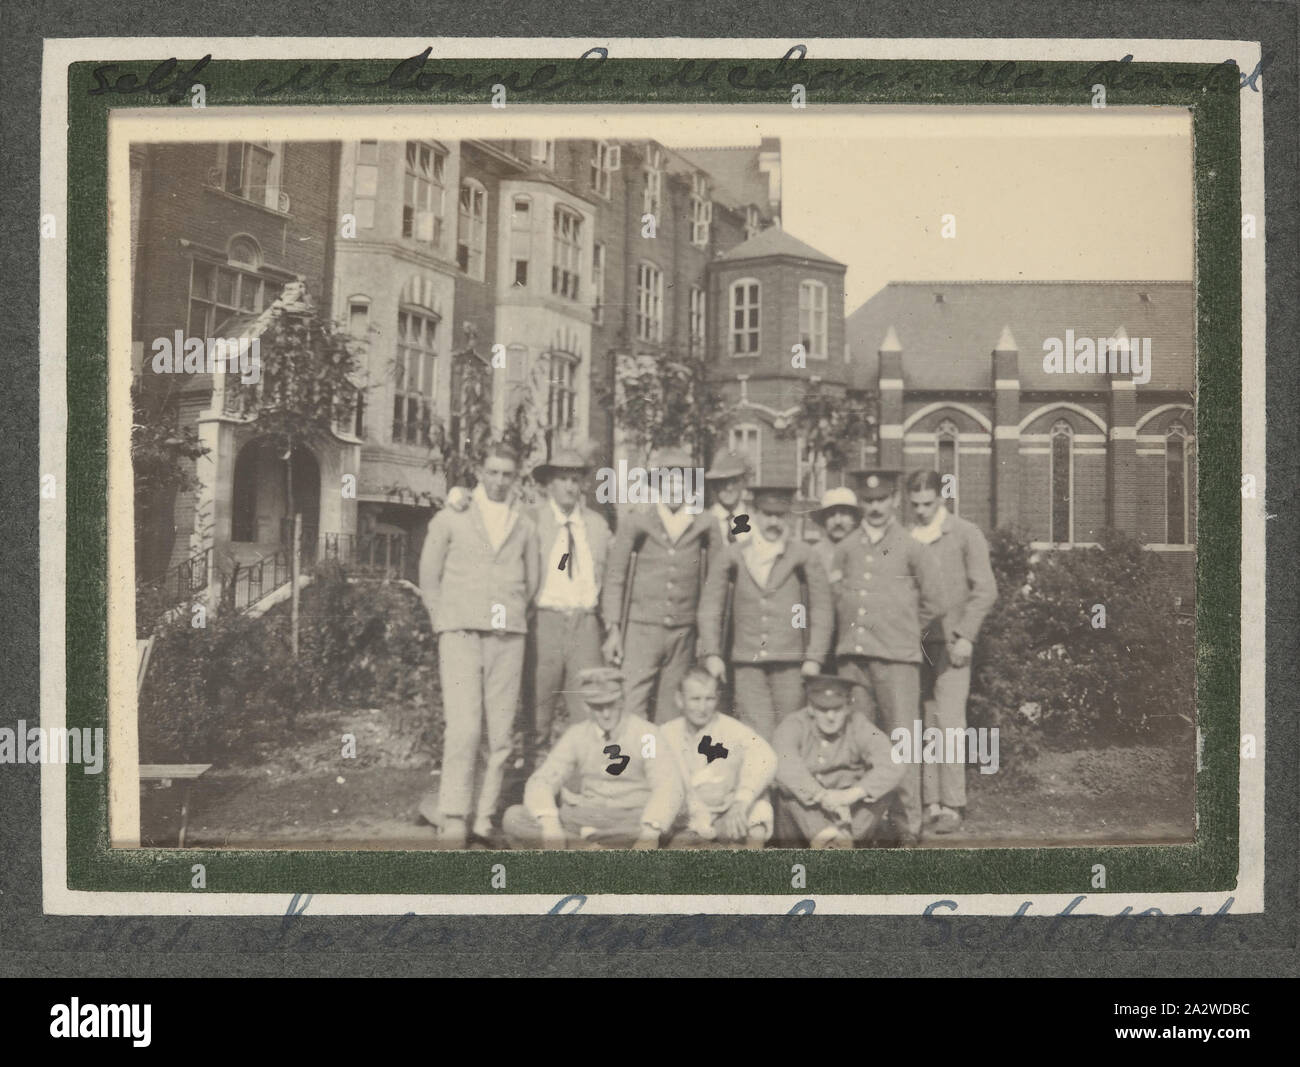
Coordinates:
(1068, 194)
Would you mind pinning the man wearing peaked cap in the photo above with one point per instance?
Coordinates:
(781, 611)
(629, 792)
(573, 542)
(657, 567)
(887, 591)
(725, 479)
(835, 771)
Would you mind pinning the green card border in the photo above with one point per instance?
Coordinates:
(1211, 94)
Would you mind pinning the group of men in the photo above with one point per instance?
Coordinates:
(726, 681)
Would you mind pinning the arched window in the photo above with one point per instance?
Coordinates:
(471, 228)
(812, 319)
(1062, 483)
(1176, 495)
(243, 251)
(415, 374)
(562, 400)
(745, 297)
(745, 440)
(945, 460)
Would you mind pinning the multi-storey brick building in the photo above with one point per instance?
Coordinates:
(218, 230)
(964, 388)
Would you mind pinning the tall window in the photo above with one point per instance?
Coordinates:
(744, 317)
(654, 183)
(247, 170)
(701, 211)
(566, 253)
(753, 222)
(1062, 481)
(471, 228)
(812, 471)
(604, 162)
(217, 293)
(562, 401)
(423, 194)
(812, 319)
(365, 184)
(521, 240)
(598, 282)
(413, 376)
(1176, 496)
(744, 440)
(543, 153)
(697, 318)
(649, 303)
(359, 329)
(945, 459)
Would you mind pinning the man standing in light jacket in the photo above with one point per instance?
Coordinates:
(478, 572)
(969, 590)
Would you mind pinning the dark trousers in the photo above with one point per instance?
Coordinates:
(564, 643)
(891, 698)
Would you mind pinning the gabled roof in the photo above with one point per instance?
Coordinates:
(948, 344)
(775, 241)
(737, 171)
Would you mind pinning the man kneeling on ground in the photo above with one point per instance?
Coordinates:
(834, 771)
(628, 785)
(726, 767)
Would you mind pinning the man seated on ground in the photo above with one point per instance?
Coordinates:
(626, 786)
(834, 771)
(726, 767)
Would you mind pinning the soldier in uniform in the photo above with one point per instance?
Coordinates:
(725, 479)
(672, 549)
(629, 786)
(726, 768)
(781, 612)
(887, 591)
(969, 591)
(834, 771)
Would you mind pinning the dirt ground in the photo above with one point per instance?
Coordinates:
(311, 796)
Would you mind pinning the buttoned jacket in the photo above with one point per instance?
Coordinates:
(669, 574)
(466, 584)
(764, 617)
(886, 594)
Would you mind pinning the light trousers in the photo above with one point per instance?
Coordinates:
(944, 689)
(480, 673)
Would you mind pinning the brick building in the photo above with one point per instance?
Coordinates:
(963, 388)
(218, 231)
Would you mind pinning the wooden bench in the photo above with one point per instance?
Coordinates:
(166, 775)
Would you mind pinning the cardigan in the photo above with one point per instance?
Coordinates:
(669, 574)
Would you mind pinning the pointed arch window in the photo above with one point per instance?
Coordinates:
(1062, 483)
(945, 459)
(1176, 494)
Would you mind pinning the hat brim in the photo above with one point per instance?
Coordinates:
(822, 514)
(724, 475)
(547, 471)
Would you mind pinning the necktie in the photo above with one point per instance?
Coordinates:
(731, 527)
(573, 548)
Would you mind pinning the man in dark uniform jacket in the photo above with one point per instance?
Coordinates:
(888, 589)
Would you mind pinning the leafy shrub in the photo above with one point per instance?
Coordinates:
(1046, 671)
(216, 690)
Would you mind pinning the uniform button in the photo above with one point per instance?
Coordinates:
(762, 652)
(668, 622)
(857, 648)
(862, 611)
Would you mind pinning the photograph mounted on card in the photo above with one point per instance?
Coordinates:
(653, 485)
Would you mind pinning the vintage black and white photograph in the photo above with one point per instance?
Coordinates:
(703, 480)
